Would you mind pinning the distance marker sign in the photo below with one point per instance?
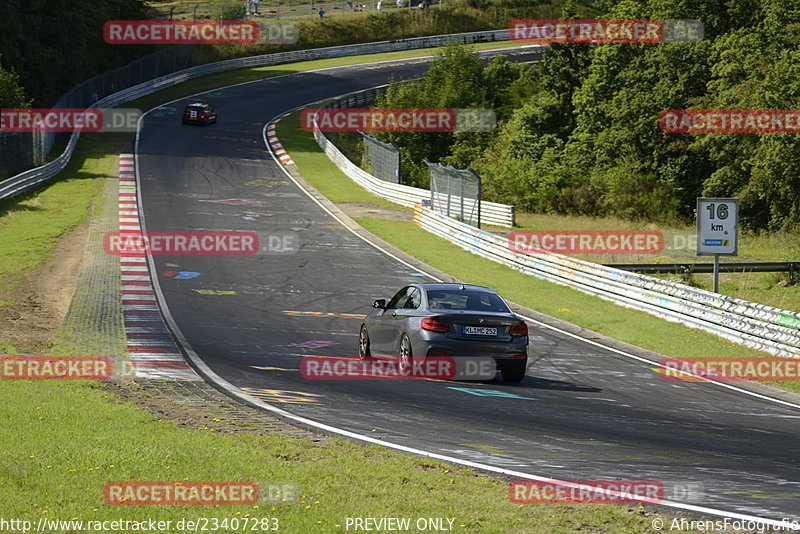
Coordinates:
(717, 226)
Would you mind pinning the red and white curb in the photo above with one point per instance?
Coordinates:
(275, 144)
(151, 348)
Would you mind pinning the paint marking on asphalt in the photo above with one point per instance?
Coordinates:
(490, 393)
(268, 368)
(324, 314)
(241, 394)
(283, 395)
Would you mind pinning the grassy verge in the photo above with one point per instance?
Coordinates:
(26, 237)
(564, 303)
(62, 477)
(66, 440)
(31, 224)
(772, 289)
(224, 79)
(349, 27)
(331, 182)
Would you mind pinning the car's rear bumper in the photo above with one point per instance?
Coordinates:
(197, 121)
(432, 344)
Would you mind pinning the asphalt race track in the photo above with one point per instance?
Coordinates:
(585, 412)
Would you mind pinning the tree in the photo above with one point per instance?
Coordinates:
(12, 95)
(454, 79)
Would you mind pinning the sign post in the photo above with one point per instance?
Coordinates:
(717, 230)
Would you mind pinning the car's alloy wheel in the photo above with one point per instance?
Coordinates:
(406, 363)
(363, 343)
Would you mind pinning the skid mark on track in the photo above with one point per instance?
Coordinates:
(314, 344)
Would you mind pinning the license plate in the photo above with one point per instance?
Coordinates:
(480, 331)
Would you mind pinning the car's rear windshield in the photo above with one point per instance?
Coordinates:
(198, 107)
(455, 299)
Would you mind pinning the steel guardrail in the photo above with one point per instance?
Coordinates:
(492, 213)
(750, 324)
(791, 267)
(31, 178)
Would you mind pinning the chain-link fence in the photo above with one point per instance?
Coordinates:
(382, 160)
(19, 151)
(22, 150)
(456, 192)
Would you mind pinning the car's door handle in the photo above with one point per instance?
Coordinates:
(394, 314)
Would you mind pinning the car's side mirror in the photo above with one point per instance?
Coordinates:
(380, 304)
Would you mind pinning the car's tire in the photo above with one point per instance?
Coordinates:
(405, 360)
(514, 371)
(363, 343)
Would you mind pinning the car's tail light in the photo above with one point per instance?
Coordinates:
(434, 324)
(519, 330)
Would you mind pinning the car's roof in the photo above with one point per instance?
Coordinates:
(438, 286)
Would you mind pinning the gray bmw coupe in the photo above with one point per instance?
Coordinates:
(436, 319)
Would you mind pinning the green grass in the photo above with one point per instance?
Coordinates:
(312, 162)
(31, 224)
(224, 79)
(26, 238)
(765, 288)
(391, 24)
(63, 441)
(590, 312)
(779, 246)
(294, 9)
(91, 441)
(552, 299)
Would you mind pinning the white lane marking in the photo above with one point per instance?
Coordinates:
(650, 362)
(236, 392)
(529, 319)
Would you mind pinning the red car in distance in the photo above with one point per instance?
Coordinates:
(199, 113)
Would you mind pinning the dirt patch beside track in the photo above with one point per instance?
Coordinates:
(39, 300)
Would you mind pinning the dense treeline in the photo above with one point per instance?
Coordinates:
(579, 132)
(12, 94)
(52, 46)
